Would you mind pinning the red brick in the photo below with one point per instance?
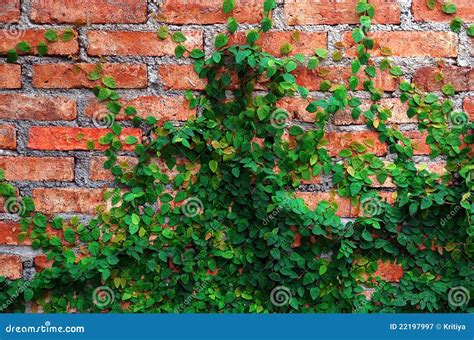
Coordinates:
(9, 232)
(208, 11)
(461, 77)
(398, 109)
(180, 77)
(89, 11)
(343, 140)
(469, 107)
(10, 76)
(421, 12)
(388, 271)
(56, 76)
(271, 42)
(9, 39)
(38, 168)
(296, 108)
(309, 12)
(7, 137)
(9, 10)
(73, 138)
(409, 44)
(42, 263)
(312, 79)
(418, 140)
(312, 200)
(24, 107)
(163, 108)
(74, 200)
(11, 267)
(138, 43)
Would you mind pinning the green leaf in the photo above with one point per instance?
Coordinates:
(252, 36)
(449, 8)
(228, 6)
(232, 24)
(213, 165)
(396, 71)
(321, 52)
(51, 35)
(131, 140)
(286, 48)
(179, 51)
(163, 32)
(42, 48)
(323, 269)
(448, 89)
(23, 46)
(456, 25)
(470, 31)
(221, 40)
(197, 53)
(269, 5)
(67, 35)
(431, 4)
(109, 82)
(12, 56)
(357, 35)
(313, 63)
(178, 37)
(345, 153)
(133, 228)
(266, 24)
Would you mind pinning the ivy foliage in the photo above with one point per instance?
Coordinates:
(218, 227)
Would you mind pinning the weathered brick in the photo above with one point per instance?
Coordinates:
(469, 107)
(9, 39)
(296, 108)
(421, 12)
(10, 76)
(25, 107)
(9, 11)
(312, 200)
(11, 266)
(418, 140)
(138, 43)
(330, 12)
(399, 115)
(461, 77)
(38, 168)
(208, 11)
(74, 200)
(89, 11)
(75, 75)
(9, 233)
(388, 271)
(42, 263)
(312, 79)
(73, 138)
(301, 42)
(180, 77)
(342, 140)
(163, 108)
(409, 44)
(7, 137)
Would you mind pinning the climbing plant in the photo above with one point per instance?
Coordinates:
(207, 219)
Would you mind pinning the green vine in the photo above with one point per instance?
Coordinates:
(220, 230)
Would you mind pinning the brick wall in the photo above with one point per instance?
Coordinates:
(47, 109)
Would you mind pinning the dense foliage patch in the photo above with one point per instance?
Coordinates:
(217, 233)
